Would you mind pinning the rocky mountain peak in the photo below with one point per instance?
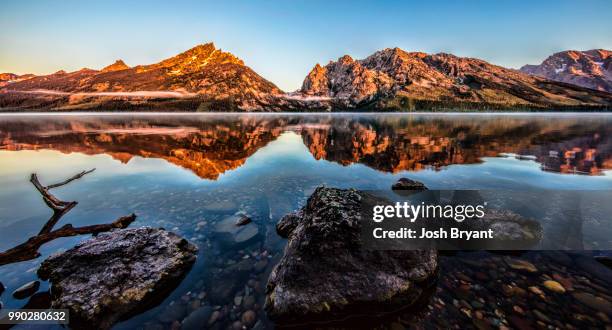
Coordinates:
(116, 66)
(346, 59)
(316, 83)
(346, 79)
(196, 58)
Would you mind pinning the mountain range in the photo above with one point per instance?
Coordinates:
(205, 78)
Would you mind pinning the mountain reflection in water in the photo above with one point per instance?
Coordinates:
(211, 145)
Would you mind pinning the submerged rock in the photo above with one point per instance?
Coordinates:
(116, 274)
(26, 290)
(324, 271)
(243, 220)
(594, 302)
(522, 265)
(197, 319)
(174, 311)
(230, 280)
(249, 318)
(604, 260)
(510, 230)
(39, 300)
(1, 288)
(230, 234)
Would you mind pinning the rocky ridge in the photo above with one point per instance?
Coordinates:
(9, 78)
(590, 69)
(398, 80)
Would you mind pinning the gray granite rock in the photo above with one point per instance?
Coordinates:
(116, 274)
(325, 272)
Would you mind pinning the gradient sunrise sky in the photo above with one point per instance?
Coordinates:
(282, 40)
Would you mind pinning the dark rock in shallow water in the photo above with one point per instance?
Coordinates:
(174, 311)
(248, 318)
(407, 184)
(229, 280)
(2, 288)
(26, 290)
(593, 268)
(39, 300)
(197, 319)
(604, 260)
(510, 230)
(229, 234)
(597, 303)
(117, 274)
(243, 220)
(325, 272)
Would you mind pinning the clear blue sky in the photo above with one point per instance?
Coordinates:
(283, 40)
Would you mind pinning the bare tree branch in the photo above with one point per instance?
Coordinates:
(57, 215)
(77, 176)
(58, 206)
(29, 249)
(52, 201)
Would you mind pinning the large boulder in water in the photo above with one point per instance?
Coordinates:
(116, 274)
(325, 271)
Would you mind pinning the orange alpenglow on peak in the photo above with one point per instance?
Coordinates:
(118, 65)
(197, 57)
(201, 76)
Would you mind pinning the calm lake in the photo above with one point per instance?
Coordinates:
(186, 172)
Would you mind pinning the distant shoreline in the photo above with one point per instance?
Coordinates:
(191, 113)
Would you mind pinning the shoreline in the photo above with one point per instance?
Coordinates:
(286, 113)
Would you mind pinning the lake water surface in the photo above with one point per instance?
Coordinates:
(185, 172)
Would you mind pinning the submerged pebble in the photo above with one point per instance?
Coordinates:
(554, 286)
(249, 317)
(523, 265)
(26, 290)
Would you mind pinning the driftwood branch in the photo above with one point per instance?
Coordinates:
(58, 206)
(77, 176)
(29, 249)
